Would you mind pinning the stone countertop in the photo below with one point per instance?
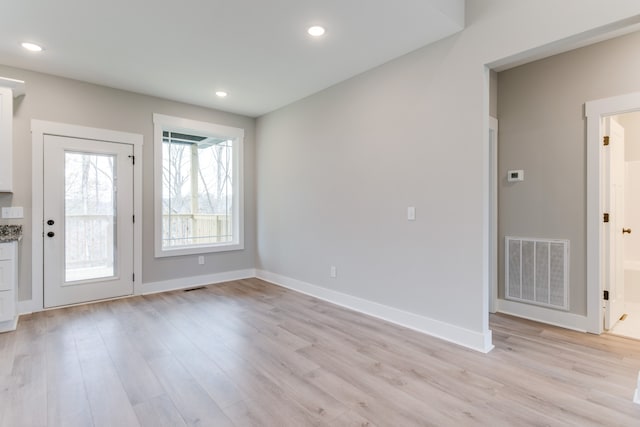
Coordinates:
(10, 233)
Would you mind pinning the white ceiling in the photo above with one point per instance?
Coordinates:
(256, 50)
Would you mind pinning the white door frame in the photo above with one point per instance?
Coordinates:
(493, 215)
(487, 212)
(594, 112)
(41, 128)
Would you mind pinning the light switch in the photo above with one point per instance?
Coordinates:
(333, 272)
(411, 213)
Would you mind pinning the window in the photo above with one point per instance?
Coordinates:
(198, 181)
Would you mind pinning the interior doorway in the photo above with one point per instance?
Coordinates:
(612, 212)
(622, 243)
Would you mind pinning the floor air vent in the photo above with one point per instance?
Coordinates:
(537, 271)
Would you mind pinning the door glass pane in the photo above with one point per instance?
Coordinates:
(90, 216)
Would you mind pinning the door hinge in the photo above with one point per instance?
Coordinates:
(606, 295)
(605, 217)
(133, 158)
(133, 277)
(605, 141)
(134, 218)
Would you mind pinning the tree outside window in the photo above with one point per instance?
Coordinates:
(200, 183)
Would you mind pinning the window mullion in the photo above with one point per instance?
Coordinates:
(194, 188)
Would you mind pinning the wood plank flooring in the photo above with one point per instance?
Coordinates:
(248, 353)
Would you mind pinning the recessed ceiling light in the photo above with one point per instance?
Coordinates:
(221, 93)
(316, 31)
(32, 47)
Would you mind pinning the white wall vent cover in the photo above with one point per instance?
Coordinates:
(537, 271)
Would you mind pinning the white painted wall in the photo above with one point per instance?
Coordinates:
(632, 214)
(631, 124)
(337, 171)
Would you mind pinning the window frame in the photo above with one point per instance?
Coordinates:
(162, 123)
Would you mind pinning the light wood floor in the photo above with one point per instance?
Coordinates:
(250, 353)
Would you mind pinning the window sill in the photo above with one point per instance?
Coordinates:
(194, 250)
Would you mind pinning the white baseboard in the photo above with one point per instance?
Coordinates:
(9, 325)
(471, 339)
(549, 316)
(636, 395)
(190, 282)
(26, 307)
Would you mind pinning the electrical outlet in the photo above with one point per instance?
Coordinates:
(515, 175)
(201, 260)
(333, 273)
(411, 213)
(15, 212)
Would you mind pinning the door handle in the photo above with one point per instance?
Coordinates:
(626, 230)
(51, 234)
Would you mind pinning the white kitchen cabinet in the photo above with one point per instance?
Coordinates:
(6, 141)
(8, 286)
(9, 89)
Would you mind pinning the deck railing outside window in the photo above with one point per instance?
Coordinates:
(198, 229)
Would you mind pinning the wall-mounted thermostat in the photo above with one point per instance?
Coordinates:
(515, 176)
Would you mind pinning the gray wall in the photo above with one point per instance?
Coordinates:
(337, 170)
(542, 130)
(68, 101)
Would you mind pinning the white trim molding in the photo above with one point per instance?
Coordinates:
(194, 281)
(27, 307)
(492, 214)
(594, 112)
(546, 315)
(9, 325)
(163, 123)
(39, 129)
(445, 331)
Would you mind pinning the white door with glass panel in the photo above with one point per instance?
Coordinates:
(88, 220)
